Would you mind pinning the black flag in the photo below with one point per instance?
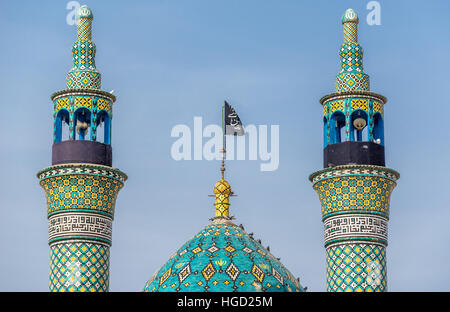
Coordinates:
(233, 125)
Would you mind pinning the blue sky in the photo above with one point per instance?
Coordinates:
(169, 61)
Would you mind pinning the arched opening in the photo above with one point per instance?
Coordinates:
(325, 132)
(378, 129)
(62, 126)
(359, 130)
(82, 124)
(337, 122)
(103, 127)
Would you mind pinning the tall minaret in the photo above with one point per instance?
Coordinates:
(81, 186)
(355, 186)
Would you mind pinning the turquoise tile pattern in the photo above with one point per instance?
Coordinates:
(223, 257)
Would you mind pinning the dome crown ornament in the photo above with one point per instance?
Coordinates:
(222, 191)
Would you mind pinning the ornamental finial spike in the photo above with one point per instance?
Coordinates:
(84, 18)
(350, 21)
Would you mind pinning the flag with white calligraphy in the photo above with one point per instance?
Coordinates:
(233, 125)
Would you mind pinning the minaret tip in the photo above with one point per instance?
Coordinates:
(84, 74)
(350, 16)
(351, 76)
(84, 12)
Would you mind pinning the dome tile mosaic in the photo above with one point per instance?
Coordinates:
(223, 257)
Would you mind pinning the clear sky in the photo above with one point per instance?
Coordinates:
(169, 61)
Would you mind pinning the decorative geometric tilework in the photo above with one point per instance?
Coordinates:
(351, 75)
(351, 82)
(344, 95)
(84, 16)
(355, 210)
(94, 101)
(222, 191)
(83, 80)
(356, 268)
(351, 55)
(62, 103)
(84, 74)
(106, 105)
(81, 192)
(337, 105)
(354, 192)
(82, 102)
(350, 32)
(354, 170)
(222, 257)
(377, 108)
(80, 206)
(89, 169)
(359, 104)
(83, 53)
(79, 267)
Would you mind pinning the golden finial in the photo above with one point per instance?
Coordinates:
(222, 191)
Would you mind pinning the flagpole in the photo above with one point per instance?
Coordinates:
(222, 169)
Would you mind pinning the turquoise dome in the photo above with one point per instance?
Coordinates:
(222, 257)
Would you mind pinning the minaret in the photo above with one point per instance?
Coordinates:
(355, 186)
(81, 186)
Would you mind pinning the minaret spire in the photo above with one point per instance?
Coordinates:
(84, 73)
(351, 75)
